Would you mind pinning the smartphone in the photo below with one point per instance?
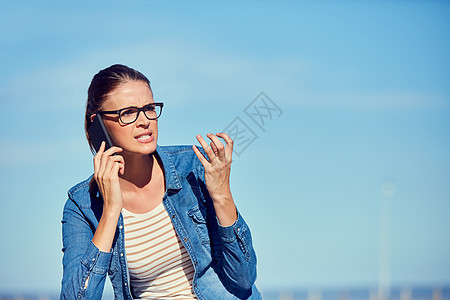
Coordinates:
(98, 133)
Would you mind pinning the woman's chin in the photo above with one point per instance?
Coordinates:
(145, 149)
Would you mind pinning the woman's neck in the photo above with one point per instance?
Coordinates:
(138, 171)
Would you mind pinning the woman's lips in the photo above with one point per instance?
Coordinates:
(145, 138)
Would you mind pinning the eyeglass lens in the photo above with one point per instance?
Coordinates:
(130, 115)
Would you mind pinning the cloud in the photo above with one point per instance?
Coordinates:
(180, 70)
(375, 100)
(187, 73)
(25, 153)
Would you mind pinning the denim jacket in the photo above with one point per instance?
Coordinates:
(223, 257)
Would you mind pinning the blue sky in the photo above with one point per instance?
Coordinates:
(365, 98)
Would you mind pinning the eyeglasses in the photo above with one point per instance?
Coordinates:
(130, 114)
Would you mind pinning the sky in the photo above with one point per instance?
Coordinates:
(342, 173)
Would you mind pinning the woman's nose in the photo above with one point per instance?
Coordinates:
(142, 119)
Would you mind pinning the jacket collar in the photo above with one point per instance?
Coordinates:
(172, 179)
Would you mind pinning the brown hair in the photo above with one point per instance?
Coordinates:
(103, 83)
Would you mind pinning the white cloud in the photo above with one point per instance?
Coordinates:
(374, 100)
(20, 152)
(185, 73)
(178, 70)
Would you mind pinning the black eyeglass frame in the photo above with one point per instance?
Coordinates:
(139, 110)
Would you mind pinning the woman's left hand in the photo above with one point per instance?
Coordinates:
(217, 175)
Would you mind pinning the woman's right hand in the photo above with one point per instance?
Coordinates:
(107, 168)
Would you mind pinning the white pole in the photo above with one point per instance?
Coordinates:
(384, 276)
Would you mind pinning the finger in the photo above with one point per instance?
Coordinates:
(118, 168)
(116, 159)
(109, 172)
(104, 155)
(120, 161)
(97, 158)
(206, 147)
(200, 156)
(113, 160)
(121, 168)
(109, 165)
(116, 165)
(214, 148)
(113, 150)
(217, 145)
(101, 152)
(230, 143)
(106, 160)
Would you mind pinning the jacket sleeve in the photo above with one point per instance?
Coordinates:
(84, 265)
(238, 255)
(238, 258)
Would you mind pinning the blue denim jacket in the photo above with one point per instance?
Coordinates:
(223, 257)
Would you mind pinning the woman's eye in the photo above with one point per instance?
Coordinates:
(128, 112)
(149, 108)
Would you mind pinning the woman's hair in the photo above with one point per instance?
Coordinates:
(103, 83)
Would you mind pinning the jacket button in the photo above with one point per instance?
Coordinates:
(120, 227)
(121, 254)
(173, 216)
(185, 239)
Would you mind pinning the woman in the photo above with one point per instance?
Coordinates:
(160, 221)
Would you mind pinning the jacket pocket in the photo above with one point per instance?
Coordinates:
(199, 222)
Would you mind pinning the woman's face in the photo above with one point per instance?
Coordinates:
(136, 138)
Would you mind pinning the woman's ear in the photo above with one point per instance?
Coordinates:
(92, 117)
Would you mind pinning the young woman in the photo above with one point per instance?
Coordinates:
(160, 221)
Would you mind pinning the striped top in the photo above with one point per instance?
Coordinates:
(158, 264)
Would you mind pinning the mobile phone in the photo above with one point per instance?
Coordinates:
(98, 133)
